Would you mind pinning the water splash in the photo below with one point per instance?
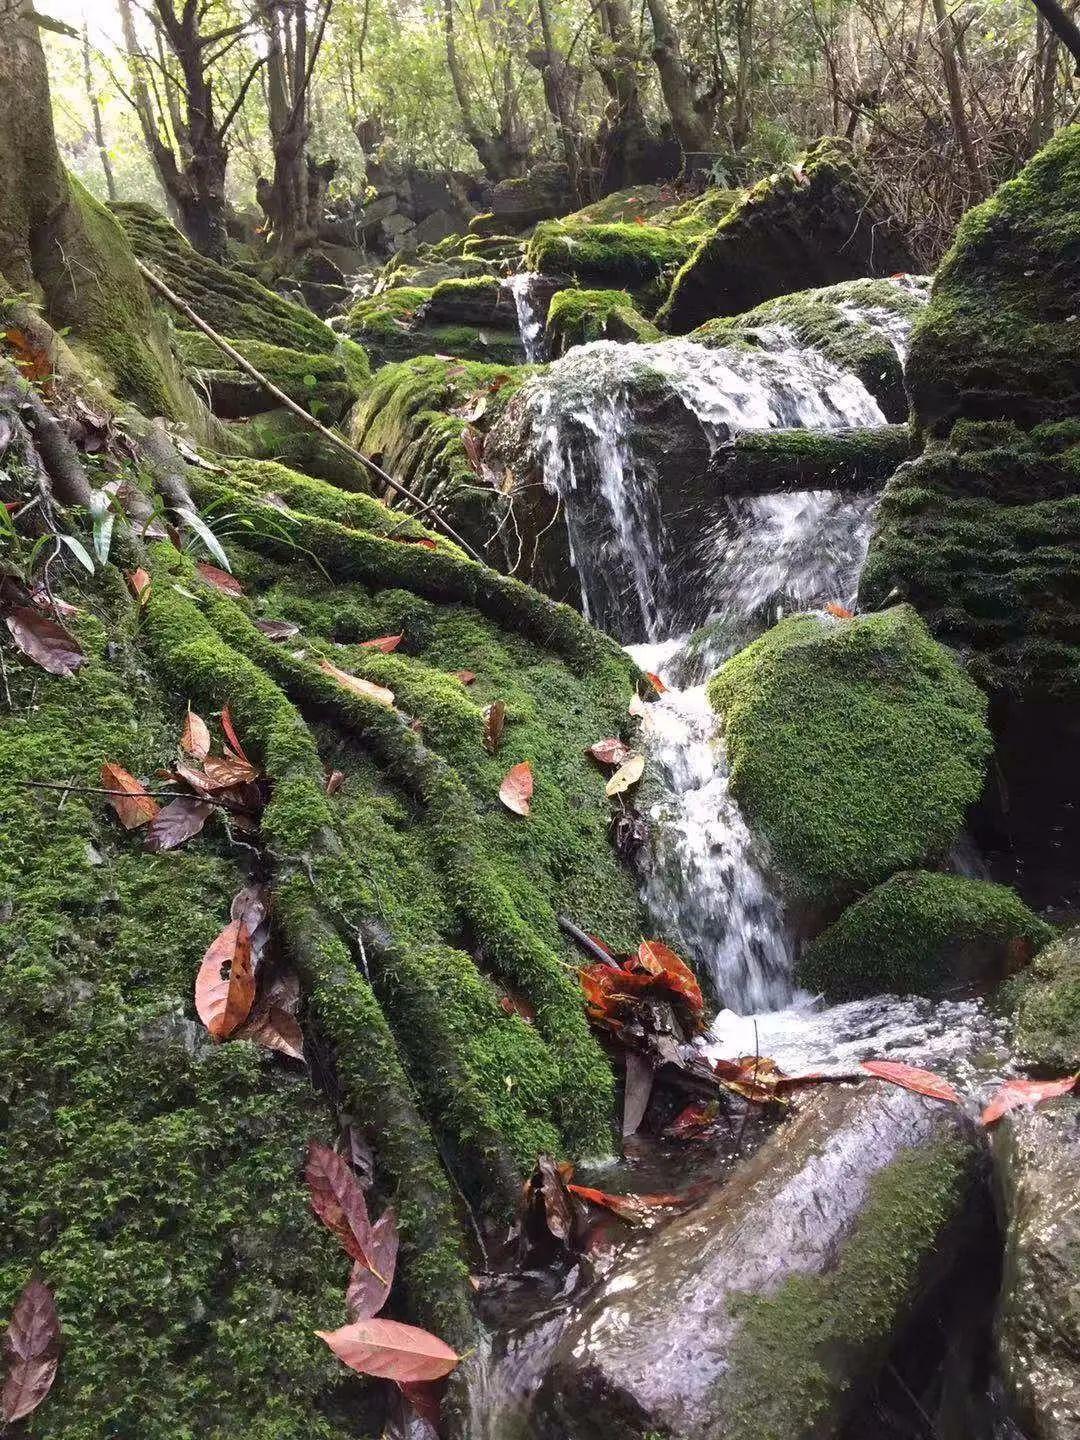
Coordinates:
(530, 326)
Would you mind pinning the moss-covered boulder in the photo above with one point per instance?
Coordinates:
(855, 747)
(818, 221)
(577, 317)
(618, 255)
(923, 933)
(853, 459)
(471, 318)
(862, 326)
(1047, 1035)
(999, 339)
(327, 385)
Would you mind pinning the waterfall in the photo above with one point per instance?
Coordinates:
(706, 878)
(530, 326)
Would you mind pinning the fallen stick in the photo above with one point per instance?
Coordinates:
(587, 943)
(298, 410)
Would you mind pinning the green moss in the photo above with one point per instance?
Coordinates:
(998, 340)
(1047, 1035)
(761, 462)
(924, 933)
(330, 383)
(815, 1327)
(382, 317)
(233, 302)
(856, 747)
(637, 258)
(577, 317)
(838, 321)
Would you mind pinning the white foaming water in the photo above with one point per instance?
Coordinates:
(530, 326)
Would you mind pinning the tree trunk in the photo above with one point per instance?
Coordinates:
(95, 116)
(951, 70)
(1063, 26)
(692, 128)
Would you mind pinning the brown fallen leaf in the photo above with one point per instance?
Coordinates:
(274, 1029)
(636, 1091)
(139, 584)
(31, 1349)
(222, 773)
(219, 579)
(179, 821)
(655, 681)
(626, 777)
(656, 958)
(334, 781)
(473, 444)
(391, 1351)
(385, 644)
(252, 906)
(424, 541)
(494, 724)
(278, 629)
(366, 689)
(465, 676)
(610, 752)
(634, 1208)
(516, 790)
(338, 1201)
(910, 1077)
(230, 733)
(841, 612)
(195, 736)
(368, 1288)
(45, 642)
(225, 985)
(134, 807)
(1025, 1092)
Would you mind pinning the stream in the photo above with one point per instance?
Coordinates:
(705, 880)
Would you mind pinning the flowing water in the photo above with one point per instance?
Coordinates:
(530, 326)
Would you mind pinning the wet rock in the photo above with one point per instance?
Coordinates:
(815, 223)
(1037, 1158)
(1048, 1016)
(769, 1310)
(541, 194)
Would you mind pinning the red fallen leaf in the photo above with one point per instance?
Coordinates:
(694, 1122)
(219, 579)
(1024, 1092)
(134, 807)
(655, 681)
(515, 1005)
(923, 1082)
(45, 642)
(230, 733)
(195, 736)
(465, 676)
(274, 1029)
(338, 1201)
(366, 689)
(195, 778)
(177, 822)
(610, 752)
(516, 790)
(31, 1349)
(657, 959)
(225, 985)
(222, 773)
(634, 1208)
(384, 644)
(494, 722)
(841, 612)
(277, 629)
(139, 584)
(334, 781)
(425, 1397)
(391, 1351)
(424, 541)
(368, 1288)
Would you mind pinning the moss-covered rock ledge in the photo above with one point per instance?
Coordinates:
(856, 747)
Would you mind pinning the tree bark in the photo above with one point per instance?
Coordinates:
(692, 127)
(95, 117)
(951, 70)
(1063, 26)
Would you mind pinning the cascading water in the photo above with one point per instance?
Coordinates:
(530, 326)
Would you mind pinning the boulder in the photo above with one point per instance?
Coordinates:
(577, 317)
(853, 459)
(923, 932)
(816, 222)
(1047, 1036)
(770, 1308)
(542, 193)
(856, 747)
(1037, 1162)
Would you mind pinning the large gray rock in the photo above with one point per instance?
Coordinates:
(767, 1312)
(1037, 1153)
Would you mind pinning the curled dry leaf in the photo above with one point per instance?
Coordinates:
(252, 906)
(133, 806)
(910, 1077)
(195, 736)
(278, 629)
(223, 774)
(274, 1029)
(334, 781)
(626, 777)
(219, 579)
(139, 584)
(1025, 1092)
(225, 986)
(338, 1201)
(368, 1288)
(31, 1349)
(656, 958)
(465, 676)
(230, 733)
(366, 689)
(391, 1351)
(494, 724)
(384, 644)
(610, 752)
(45, 642)
(175, 823)
(516, 790)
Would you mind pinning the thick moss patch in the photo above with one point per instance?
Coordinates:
(637, 258)
(856, 747)
(1047, 1034)
(923, 933)
(577, 317)
(324, 384)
